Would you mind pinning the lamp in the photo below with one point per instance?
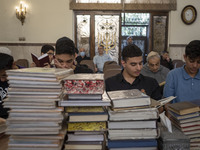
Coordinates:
(21, 12)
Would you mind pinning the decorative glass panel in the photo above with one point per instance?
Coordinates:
(139, 43)
(98, 1)
(159, 33)
(135, 18)
(134, 31)
(107, 34)
(83, 32)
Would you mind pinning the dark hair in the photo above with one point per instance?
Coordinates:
(131, 51)
(192, 50)
(65, 45)
(163, 52)
(6, 61)
(46, 48)
(76, 50)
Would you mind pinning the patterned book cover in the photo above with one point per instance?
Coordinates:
(84, 109)
(87, 126)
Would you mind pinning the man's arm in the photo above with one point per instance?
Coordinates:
(169, 88)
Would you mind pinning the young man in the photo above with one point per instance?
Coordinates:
(184, 82)
(65, 56)
(166, 61)
(130, 77)
(153, 68)
(82, 56)
(6, 62)
(100, 59)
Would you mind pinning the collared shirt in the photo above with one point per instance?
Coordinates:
(100, 60)
(180, 84)
(150, 85)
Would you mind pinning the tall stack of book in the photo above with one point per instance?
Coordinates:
(35, 121)
(185, 116)
(85, 103)
(132, 122)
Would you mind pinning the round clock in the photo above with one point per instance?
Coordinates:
(189, 14)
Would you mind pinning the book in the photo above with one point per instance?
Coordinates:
(41, 60)
(86, 126)
(128, 98)
(132, 143)
(139, 114)
(84, 96)
(87, 117)
(83, 145)
(84, 84)
(179, 117)
(132, 124)
(84, 109)
(85, 137)
(125, 134)
(183, 108)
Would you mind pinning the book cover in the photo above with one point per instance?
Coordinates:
(85, 137)
(92, 145)
(183, 108)
(131, 143)
(128, 98)
(84, 84)
(179, 117)
(40, 61)
(84, 96)
(87, 126)
(84, 109)
(87, 117)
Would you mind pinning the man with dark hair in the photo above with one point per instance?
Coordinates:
(184, 82)
(65, 56)
(130, 77)
(166, 61)
(6, 62)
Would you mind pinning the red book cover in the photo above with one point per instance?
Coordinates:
(40, 61)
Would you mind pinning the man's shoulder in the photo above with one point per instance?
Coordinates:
(82, 69)
(147, 79)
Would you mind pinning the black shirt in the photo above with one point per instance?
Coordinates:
(149, 84)
(79, 59)
(166, 64)
(82, 69)
(3, 94)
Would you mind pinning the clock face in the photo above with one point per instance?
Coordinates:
(189, 14)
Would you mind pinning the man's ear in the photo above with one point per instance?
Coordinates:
(123, 63)
(185, 57)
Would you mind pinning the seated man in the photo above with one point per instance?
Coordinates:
(166, 61)
(130, 77)
(65, 56)
(129, 40)
(153, 68)
(82, 56)
(50, 51)
(100, 59)
(6, 62)
(184, 82)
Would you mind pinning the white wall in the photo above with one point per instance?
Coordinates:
(46, 21)
(180, 33)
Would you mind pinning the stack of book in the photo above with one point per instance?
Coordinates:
(85, 101)
(132, 122)
(35, 121)
(185, 116)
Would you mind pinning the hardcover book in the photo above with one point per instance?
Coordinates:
(86, 126)
(128, 98)
(40, 61)
(85, 137)
(87, 117)
(84, 84)
(84, 109)
(183, 108)
(84, 145)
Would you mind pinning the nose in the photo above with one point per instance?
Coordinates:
(139, 67)
(65, 65)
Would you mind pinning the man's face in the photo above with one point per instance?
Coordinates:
(81, 50)
(192, 65)
(133, 66)
(129, 41)
(154, 64)
(64, 61)
(3, 75)
(100, 50)
(165, 56)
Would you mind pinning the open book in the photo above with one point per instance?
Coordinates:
(40, 61)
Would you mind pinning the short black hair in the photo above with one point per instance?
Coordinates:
(46, 48)
(6, 61)
(192, 50)
(65, 45)
(163, 52)
(131, 51)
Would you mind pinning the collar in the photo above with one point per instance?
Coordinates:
(187, 76)
(120, 77)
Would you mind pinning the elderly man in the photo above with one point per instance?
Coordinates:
(153, 68)
(82, 56)
(100, 59)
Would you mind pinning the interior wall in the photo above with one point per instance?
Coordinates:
(46, 21)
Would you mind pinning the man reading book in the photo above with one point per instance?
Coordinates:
(65, 56)
(130, 77)
(184, 82)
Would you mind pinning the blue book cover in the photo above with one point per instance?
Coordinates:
(183, 117)
(132, 143)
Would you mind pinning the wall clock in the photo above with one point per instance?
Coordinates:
(189, 14)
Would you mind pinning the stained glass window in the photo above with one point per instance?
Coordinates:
(107, 34)
(83, 32)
